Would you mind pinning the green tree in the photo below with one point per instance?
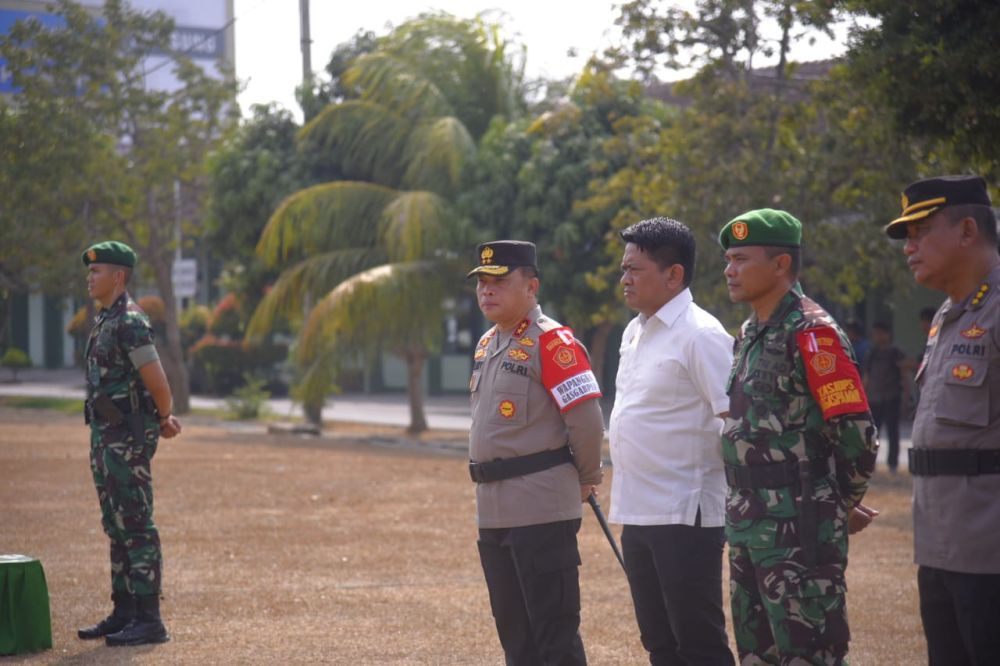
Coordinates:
(256, 168)
(933, 65)
(528, 179)
(370, 257)
(125, 161)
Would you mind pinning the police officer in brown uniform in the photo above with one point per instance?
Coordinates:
(951, 246)
(535, 455)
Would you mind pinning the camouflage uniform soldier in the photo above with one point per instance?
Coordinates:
(796, 405)
(128, 408)
(535, 455)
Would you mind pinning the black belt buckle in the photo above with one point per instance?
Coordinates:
(476, 472)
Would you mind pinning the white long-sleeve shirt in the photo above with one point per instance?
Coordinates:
(664, 433)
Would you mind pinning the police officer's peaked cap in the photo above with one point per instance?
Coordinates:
(499, 257)
(109, 252)
(765, 226)
(924, 197)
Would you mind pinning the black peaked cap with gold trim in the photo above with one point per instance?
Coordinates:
(499, 257)
(923, 197)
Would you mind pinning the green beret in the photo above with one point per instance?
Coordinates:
(765, 226)
(109, 252)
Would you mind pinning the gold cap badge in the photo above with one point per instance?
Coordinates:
(486, 256)
(740, 231)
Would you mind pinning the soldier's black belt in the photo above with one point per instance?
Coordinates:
(507, 468)
(954, 462)
(112, 410)
(775, 475)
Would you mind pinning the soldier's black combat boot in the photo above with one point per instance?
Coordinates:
(122, 614)
(145, 627)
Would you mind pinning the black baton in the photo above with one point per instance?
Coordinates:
(592, 499)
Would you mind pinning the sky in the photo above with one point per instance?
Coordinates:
(269, 59)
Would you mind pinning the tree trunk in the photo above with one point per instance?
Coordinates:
(598, 350)
(173, 358)
(415, 390)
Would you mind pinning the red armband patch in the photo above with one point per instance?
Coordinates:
(566, 372)
(833, 378)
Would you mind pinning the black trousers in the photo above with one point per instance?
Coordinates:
(887, 412)
(961, 616)
(675, 575)
(533, 579)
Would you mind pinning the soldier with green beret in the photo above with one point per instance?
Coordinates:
(950, 232)
(128, 408)
(798, 445)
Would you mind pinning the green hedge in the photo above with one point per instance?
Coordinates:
(218, 367)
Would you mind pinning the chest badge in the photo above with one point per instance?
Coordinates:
(824, 362)
(526, 342)
(973, 332)
(518, 354)
(962, 372)
(507, 409)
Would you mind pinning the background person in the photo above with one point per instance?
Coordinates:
(886, 376)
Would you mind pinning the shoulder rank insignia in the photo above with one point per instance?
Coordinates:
(933, 332)
(518, 354)
(973, 332)
(984, 289)
(521, 328)
(526, 342)
(480, 354)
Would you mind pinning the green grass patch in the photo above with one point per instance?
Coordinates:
(64, 405)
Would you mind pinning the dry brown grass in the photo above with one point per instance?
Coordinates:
(280, 549)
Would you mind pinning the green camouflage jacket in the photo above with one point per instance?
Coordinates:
(795, 393)
(120, 343)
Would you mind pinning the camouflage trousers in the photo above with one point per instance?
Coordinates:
(121, 469)
(786, 613)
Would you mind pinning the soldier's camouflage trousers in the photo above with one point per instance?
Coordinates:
(120, 466)
(785, 613)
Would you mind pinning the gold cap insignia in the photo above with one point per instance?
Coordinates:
(92, 255)
(740, 230)
(486, 256)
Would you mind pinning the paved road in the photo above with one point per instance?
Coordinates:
(443, 412)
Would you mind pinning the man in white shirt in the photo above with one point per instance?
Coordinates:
(668, 489)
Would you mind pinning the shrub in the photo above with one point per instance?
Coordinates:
(15, 359)
(226, 318)
(248, 401)
(155, 309)
(194, 324)
(223, 363)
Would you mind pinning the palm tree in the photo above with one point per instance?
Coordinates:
(370, 259)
